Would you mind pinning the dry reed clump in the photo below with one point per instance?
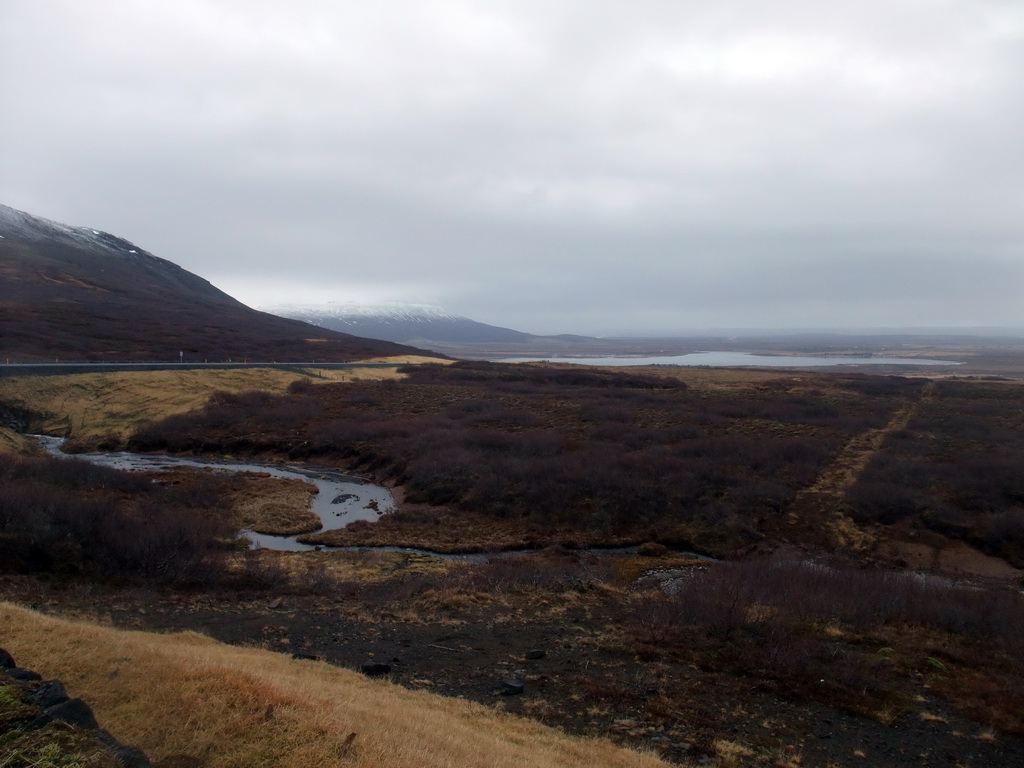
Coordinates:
(13, 443)
(185, 694)
(275, 506)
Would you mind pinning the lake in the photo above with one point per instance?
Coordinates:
(733, 360)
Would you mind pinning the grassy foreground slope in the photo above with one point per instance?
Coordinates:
(185, 694)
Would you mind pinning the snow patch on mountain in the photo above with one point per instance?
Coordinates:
(398, 312)
(400, 322)
(18, 225)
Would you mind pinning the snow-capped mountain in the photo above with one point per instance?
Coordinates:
(15, 224)
(417, 324)
(76, 293)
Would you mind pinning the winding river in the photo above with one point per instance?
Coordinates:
(342, 499)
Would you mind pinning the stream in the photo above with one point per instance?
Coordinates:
(341, 498)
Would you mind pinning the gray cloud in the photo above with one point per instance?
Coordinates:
(556, 166)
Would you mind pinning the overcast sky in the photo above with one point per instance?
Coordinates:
(551, 165)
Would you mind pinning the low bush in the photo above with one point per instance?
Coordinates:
(69, 517)
(957, 469)
(824, 632)
(598, 452)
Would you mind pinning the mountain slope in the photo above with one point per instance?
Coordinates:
(405, 323)
(433, 328)
(75, 293)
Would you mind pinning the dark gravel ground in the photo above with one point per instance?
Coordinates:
(588, 680)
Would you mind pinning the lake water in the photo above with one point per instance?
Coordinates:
(734, 360)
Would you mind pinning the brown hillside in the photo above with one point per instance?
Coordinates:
(72, 293)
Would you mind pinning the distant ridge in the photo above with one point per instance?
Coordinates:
(405, 323)
(76, 293)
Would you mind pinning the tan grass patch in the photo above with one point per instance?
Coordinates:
(846, 534)
(717, 379)
(729, 754)
(343, 375)
(788, 757)
(185, 694)
(627, 569)
(12, 442)
(276, 506)
(375, 374)
(92, 406)
(408, 360)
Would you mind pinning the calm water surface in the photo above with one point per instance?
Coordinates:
(733, 360)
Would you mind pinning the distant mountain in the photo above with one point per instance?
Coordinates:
(75, 293)
(407, 323)
(430, 327)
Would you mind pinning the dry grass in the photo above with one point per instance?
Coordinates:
(185, 694)
(94, 406)
(408, 360)
(276, 506)
(89, 406)
(342, 375)
(712, 379)
(12, 442)
(730, 754)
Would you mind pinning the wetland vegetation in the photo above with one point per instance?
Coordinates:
(814, 643)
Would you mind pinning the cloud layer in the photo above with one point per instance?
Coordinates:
(558, 166)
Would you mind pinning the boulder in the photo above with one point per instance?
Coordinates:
(511, 687)
(24, 675)
(51, 698)
(375, 669)
(73, 712)
(48, 694)
(131, 757)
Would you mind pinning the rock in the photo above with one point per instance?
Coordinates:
(39, 722)
(131, 757)
(25, 675)
(275, 603)
(73, 712)
(52, 699)
(180, 761)
(48, 694)
(535, 653)
(375, 669)
(6, 660)
(511, 688)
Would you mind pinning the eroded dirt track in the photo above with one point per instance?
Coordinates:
(821, 503)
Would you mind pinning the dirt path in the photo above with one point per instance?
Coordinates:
(820, 505)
